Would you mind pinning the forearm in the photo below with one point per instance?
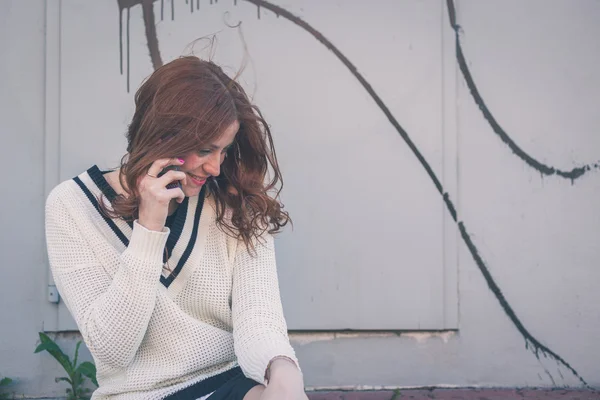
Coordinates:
(283, 371)
(116, 322)
(260, 330)
(285, 381)
(111, 311)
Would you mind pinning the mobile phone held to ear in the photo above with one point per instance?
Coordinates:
(174, 184)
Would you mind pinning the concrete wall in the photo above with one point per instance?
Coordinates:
(536, 231)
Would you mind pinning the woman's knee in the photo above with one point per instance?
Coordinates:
(254, 393)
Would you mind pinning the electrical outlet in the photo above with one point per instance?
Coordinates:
(53, 296)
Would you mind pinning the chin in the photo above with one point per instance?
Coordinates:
(191, 192)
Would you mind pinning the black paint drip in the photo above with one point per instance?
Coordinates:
(151, 35)
(529, 160)
(150, 29)
(121, 42)
(122, 6)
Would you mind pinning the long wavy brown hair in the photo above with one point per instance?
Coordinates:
(185, 105)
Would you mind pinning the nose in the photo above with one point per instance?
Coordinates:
(213, 165)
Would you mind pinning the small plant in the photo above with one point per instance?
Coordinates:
(396, 395)
(77, 373)
(3, 383)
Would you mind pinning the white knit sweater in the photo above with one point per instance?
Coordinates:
(151, 335)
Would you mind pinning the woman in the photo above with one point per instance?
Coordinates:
(171, 277)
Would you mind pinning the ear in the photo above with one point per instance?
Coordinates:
(232, 191)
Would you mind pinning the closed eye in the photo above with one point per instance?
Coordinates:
(206, 152)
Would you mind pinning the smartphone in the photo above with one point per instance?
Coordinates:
(174, 184)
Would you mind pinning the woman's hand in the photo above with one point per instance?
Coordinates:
(285, 382)
(155, 197)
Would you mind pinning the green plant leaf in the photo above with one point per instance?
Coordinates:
(51, 347)
(5, 382)
(77, 379)
(76, 354)
(88, 369)
(62, 379)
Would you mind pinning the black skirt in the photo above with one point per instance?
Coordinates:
(229, 385)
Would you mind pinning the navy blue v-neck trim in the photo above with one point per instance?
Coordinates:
(100, 181)
(190, 246)
(98, 178)
(176, 228)
(109, 221)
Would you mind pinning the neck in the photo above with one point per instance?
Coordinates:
(112, 178)
(173, 206)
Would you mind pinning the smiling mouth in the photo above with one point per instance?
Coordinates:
(197, 179)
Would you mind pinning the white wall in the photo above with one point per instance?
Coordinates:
(537, 235)
(326, 157)
(24, 276)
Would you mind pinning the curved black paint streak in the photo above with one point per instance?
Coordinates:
(532, 162)
(529, 338)
(450, 206)
(366, 85)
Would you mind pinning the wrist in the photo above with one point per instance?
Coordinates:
(150, 225)
(146, 244)
(282, 368)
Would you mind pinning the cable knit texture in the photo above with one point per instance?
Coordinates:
(149, 339)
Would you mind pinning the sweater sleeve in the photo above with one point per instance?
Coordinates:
(259, 327)
(112, 313)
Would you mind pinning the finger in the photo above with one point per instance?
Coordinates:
(176, 194)
(170, 176)
(160, 164)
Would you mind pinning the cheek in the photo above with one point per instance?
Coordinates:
(191, 163)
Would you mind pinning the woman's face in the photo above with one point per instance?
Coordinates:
(206, 162)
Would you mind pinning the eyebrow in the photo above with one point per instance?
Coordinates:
(215, 147)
